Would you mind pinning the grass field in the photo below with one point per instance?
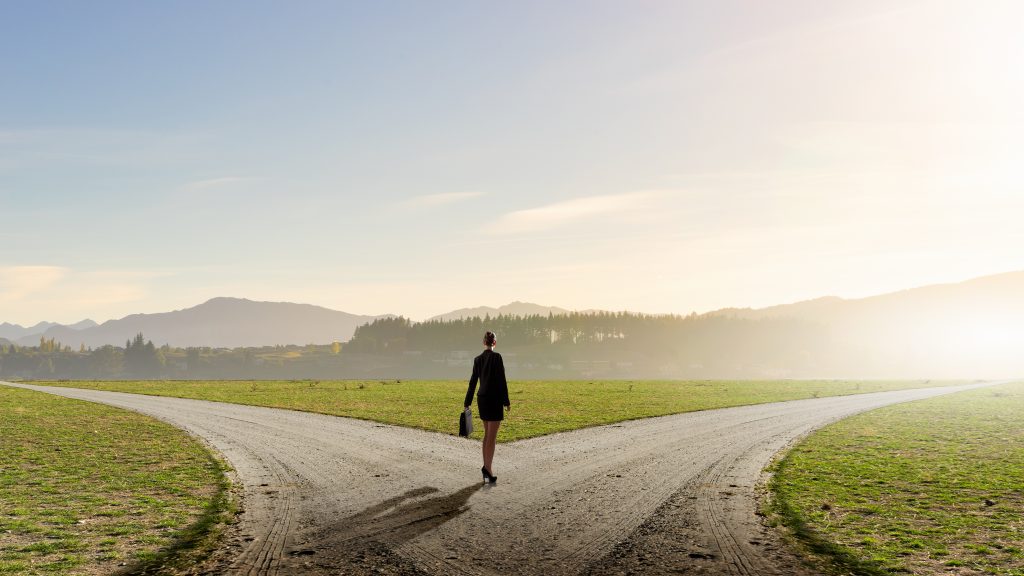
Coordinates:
(929, 487)
(538, 408)
(88, 489)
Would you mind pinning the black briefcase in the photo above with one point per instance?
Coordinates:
(466, 423)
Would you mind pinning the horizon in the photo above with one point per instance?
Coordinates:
(661, 157)
(501, 305)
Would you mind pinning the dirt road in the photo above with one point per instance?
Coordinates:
(672, 495)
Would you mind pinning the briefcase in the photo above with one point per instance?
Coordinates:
(466, 422)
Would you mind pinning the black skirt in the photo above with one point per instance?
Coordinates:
(490, 411)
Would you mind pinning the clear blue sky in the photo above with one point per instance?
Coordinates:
(414, 157)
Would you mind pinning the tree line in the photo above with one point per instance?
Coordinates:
(139, 358)
(576, 345)
(642, 345)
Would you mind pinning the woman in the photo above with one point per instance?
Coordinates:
(490, 371)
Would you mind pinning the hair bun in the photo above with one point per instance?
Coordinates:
(489, 338)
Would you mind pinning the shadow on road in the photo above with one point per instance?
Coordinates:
(366, 539)
(402, 518)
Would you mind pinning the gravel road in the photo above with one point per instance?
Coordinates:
(670, 495)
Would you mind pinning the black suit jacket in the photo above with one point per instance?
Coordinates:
(489, 369)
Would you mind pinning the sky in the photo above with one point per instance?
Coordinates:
(417, 157)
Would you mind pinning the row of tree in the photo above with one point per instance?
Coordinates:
(693, 336)
(574, 345)
(141, 359)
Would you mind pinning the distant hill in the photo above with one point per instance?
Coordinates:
(948, 328)
(82, 325)
(17, 332)
(999, 293)
(219, 323)
(513, 309)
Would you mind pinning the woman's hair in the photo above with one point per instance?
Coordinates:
(489, 339)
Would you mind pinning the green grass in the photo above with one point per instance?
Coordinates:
(538, 407)
(86, 489)
(929, 487)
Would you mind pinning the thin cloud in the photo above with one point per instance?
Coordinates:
(570, 211)
(439, 199)
(19, 282)
(29, 294)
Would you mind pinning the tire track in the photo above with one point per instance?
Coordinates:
(265, 556)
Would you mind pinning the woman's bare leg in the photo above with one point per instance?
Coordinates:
(487, 440)
(490, 438)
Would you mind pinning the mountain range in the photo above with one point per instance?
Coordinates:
(999, 293)
(216, 323)
(234, 323)
(986, 312)
(10, 331)
(949, 328)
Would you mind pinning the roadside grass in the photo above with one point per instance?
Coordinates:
(91, 489)
(929, 487)
(538, 407)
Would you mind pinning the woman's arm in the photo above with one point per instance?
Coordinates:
(504, 382)
(472, 384)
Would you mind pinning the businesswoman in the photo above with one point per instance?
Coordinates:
(489, 370)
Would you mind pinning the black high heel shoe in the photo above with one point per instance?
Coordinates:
(487, 475)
